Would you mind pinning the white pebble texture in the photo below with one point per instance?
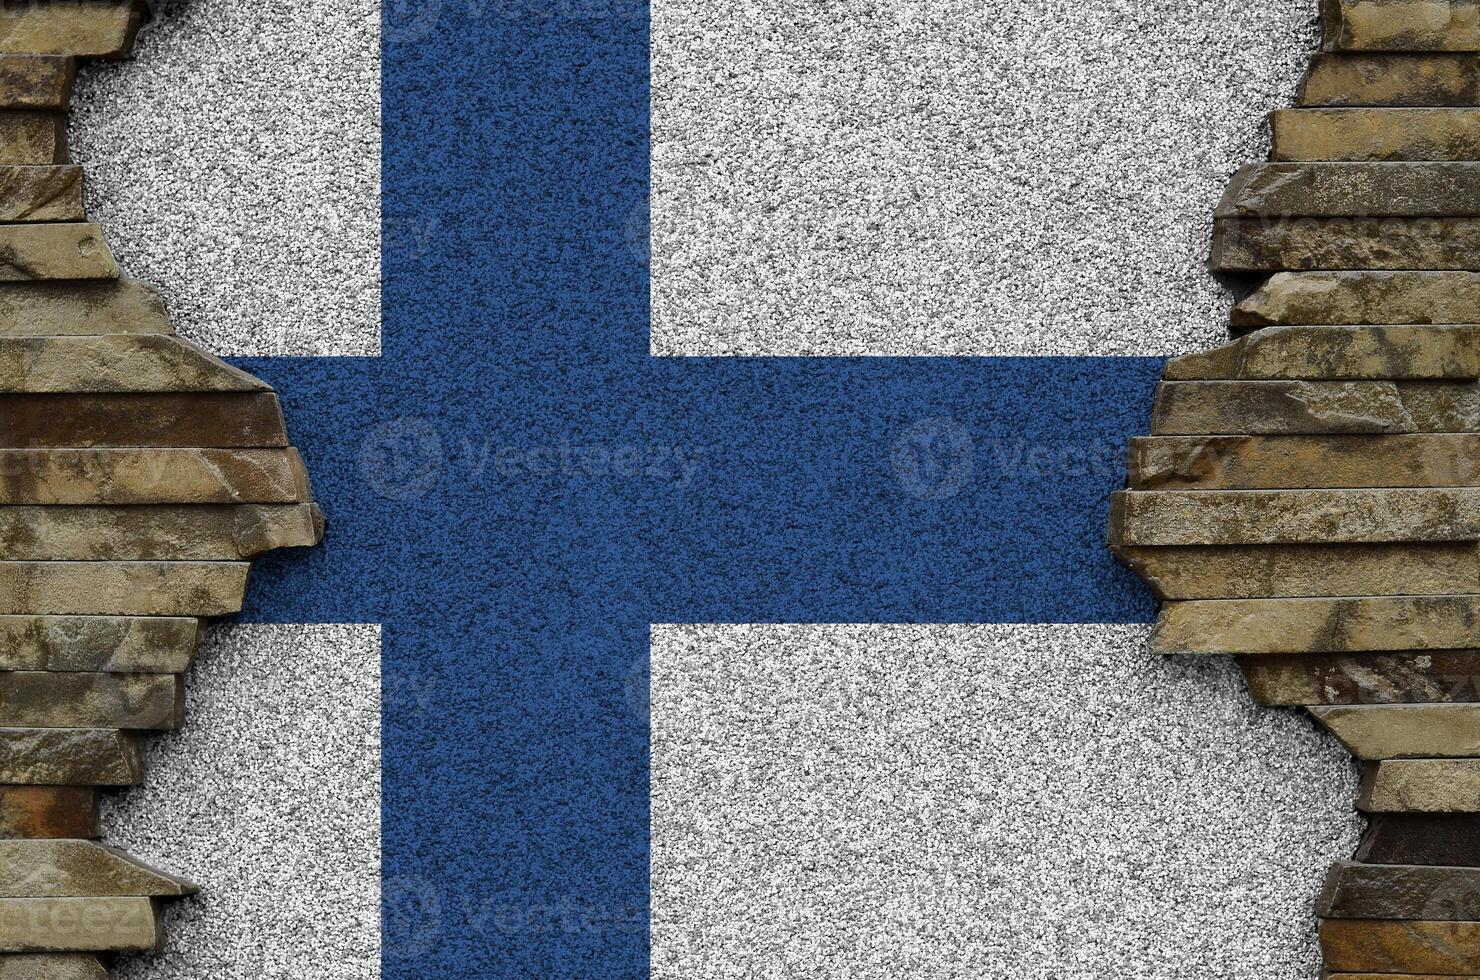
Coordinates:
(269, 799)
(941, 177)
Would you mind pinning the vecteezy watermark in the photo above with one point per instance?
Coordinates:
(410, 916)
(409, 20)
(675, 465)
(402, 459)
(933, 459)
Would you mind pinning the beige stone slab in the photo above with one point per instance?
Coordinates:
(69, 757)
(152, 476)
(1319, 625)
(1431, 677)
(1404, 731)
(41, 194)
(1257, 517)
(158, 421)
(83, 309)
(67, 250)
(1377, 134)
(1400, 892)
(1314, 407)
(32, 138)
(1382, 79)
(1440, 189)
(1401, 25)
(1255, 245)
(85, 28)
(59, 966)
(1368, 945)
(57, 925)
(1421, 786)
(48, 812)
(1369, 297)
(80, 869)
(107, 588)
(116, 644)
(49, 699)
(1332, 353)
(1301, 462)
(156, 533)
(107, 364)
(1281, 571)
(31, 81)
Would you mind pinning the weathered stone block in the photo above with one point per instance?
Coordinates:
(80, 869)
(1404, 731)
(61, 925)
(48, 812)
(1250, 245)
(1366, 297)
(1314, 407)
(1297, 462)
(1354, 190)
(1335, 353)
(190, 421)
(48, 699)
(60, 966)
(69, 757)
(41, 193)
(1364, 891)
(54, 251)
(152, 476)
(98, 643)
(1401, 25)
(1392, 80)
(1364, 678)
(137, 363)
(31, 81)
(155, 533)
(1376, 134)
(1271, 571)
(1241, 517)
(1319, 625)
(85, 28)
(84, 309)
(1449, 839)
(1369, 945)
(32, 138)
(1421, 786)
(134, 588)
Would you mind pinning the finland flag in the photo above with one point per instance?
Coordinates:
(716, 440)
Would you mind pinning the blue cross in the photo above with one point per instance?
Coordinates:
(517, 490)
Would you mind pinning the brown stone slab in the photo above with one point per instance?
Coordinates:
(1290, 680)
(1439, 189)
(1319, 625)
(49, 699)
(69, 757)
(67, 250)
(32, 138)
(85, 28)
(1401, 25)
(1447, 839)
(58, 925)
(1300, 462)
(155, 533)
(32, 81)
(119, 644)
(1376, 134)
(124, 363)
(1334, 353)
(152, 476)
(60, 966)
(48, 811)
(1252, 245)
(1275, 571)
(1421, 786)
(228, 420)
(1370, 945)
(1314, 407)
(1404, 731)
(1244, 517)
(1381, 79)
(1398, 892)
(1376, 297)
(80, 869)
(83, 309)
(41, 193)
(135, 588)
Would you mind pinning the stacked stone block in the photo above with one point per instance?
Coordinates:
(1309, 499)
(139, 476)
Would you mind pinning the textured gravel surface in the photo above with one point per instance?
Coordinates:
(269, 798)
(987, 802)
(935, 176)
(235, 162)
